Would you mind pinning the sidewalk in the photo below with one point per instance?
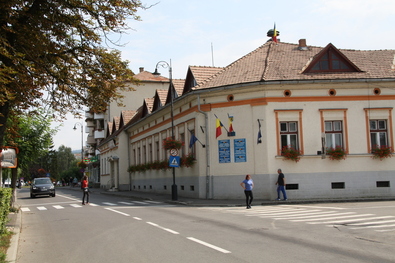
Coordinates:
(219, 202)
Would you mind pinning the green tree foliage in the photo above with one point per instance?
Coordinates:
(66, 158)
(53, 53)
(32, 135)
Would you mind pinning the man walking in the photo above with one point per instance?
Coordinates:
(281, 185)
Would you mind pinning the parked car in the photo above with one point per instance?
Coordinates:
(42, 186)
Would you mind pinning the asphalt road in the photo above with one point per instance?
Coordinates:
(116, 229)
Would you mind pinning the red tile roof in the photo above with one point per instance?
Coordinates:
(284, 61)
(148, 76)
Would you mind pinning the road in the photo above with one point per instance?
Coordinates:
(116, 229)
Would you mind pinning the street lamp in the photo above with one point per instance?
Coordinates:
(82, 138)
(164, 64)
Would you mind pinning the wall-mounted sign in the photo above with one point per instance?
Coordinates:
(224, 151)
(8, 157)
(240, 150)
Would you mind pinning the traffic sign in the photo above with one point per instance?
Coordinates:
(174, 161)
(173, 152)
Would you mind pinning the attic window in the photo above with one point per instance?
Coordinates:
(330, 59)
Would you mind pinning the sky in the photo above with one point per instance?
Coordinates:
(218, 32)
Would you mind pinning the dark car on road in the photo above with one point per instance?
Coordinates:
(42, 186)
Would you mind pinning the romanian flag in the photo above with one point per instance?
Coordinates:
(275, 34)
(230, 123)
(218, 130)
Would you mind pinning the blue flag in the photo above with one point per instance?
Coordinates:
(193, 140)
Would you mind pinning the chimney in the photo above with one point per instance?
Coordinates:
(141, 69)
(302, 44)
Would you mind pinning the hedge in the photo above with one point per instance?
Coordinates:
(5, 199)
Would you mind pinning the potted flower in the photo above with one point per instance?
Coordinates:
(381, 152)
(170, 143)
(82, 164)
(336, 153)
(291, 153)
(187, 160)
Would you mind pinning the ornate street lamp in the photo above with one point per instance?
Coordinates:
(164, 64)
(82, 138)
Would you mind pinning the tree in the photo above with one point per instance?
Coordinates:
(67, 158)
(52, 54)
(32, 135)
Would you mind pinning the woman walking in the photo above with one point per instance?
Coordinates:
(247, 185)
(85, 189)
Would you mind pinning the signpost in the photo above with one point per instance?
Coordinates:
(174, 160)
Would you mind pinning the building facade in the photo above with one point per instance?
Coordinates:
(280, 99)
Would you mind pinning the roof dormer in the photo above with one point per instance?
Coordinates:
(331, 60)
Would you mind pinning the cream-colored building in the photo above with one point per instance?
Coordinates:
(279, 95)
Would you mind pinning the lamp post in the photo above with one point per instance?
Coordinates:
(82, 138)
(164, 64)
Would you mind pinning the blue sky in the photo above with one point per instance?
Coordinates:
(184, 31)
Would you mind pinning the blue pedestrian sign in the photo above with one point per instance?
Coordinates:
(174, 161)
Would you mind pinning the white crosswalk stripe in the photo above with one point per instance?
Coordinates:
(314, 215)
(108, 203)
(58, 207)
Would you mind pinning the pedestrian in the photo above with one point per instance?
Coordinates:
(281, 185)
(85, 189)
(247, 185)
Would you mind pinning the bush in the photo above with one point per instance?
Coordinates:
(5, 199)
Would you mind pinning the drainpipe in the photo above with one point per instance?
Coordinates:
(128, 144)
(207, 151)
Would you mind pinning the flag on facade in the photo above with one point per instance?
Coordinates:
(218, 126)
(230, 123)
(259, 133)
(192, 140)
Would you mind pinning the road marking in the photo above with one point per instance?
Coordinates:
(25, 209)
(126, 203)
(166, 229)
(75, 205)
(139, 202)
(113, 210)
(137, 218)
(321, 207)
(336, 216)
(209, 245)
(58, 206)
(386, 230)
(41, 208)
(372, 223)
(352, 220)
(64, 196)
(154, 202)
(363, 227)
(296, 213)
(107, 203)
(93, 204)
(309, 215)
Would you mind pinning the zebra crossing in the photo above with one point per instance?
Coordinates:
(327, 216)
(74, 205)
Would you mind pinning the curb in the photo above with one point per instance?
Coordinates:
(15, 227)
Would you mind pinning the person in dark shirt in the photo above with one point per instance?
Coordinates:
(281, 185)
